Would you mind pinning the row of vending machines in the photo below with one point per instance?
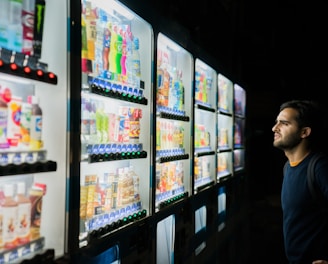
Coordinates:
(126, 143)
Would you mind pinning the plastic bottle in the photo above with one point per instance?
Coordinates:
(4, 10)
(15, 28)
(36, 195)
(104, 127)
(9, 220)
(174, 91)
(136, 71)
(28, 26)
(136, 181)
(85, 116)
(40, 7)
(84, 45)
(14, 119)
(2, 200)
(113, 50)
(92, 121)
(123, 58)
(3, 123)
(24, 214)
(36, 124)
(106, 45)
(119, 44)
(128, 61)
(127, 190)
(25, 122)
(101, 124)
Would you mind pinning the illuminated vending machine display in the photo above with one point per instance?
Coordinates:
(225, 128)
(32, 130)
(115, 136)
(205, 98)
(173, 138)
(204, 151)
(239, 128)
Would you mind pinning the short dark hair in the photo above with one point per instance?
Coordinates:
(310, 114)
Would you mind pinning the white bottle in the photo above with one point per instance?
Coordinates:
(2, 200)
(36, 125)
(24, 214)
(9, 220)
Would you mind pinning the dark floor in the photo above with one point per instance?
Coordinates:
(266, 231)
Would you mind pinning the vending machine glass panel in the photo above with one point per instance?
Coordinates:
(173, 116)
(116, 56)
(225, 124)
(204, 128)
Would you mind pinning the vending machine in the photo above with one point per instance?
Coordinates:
(231, 191)
(204, 160)
(111, 140)
(205, 101)
(239, 128)
(33, 130)
(239, 152)
(173, 157)
(225, 115)
(225, 171)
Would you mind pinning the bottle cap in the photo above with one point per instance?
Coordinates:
(5, 94)
(34, 99)
(21, 187)
(9, 190)
(29, 6)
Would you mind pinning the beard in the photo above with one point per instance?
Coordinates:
(288, 142)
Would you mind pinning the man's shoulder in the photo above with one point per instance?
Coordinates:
(321, 160)
(319, 155)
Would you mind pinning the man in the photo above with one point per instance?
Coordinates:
(297, 131)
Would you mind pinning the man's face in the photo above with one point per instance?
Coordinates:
(287, 134)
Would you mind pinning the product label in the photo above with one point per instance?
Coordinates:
(36, 127)
(3, 127)
(24, 222)
(14, 118)
(36, 209)
(28, 28)
(3, 35)
(134, 131)
(25, 123)
(9, 224)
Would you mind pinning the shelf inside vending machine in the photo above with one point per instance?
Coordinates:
(18, 64)
(23, 251)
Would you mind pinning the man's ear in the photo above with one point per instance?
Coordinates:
(306, 131)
